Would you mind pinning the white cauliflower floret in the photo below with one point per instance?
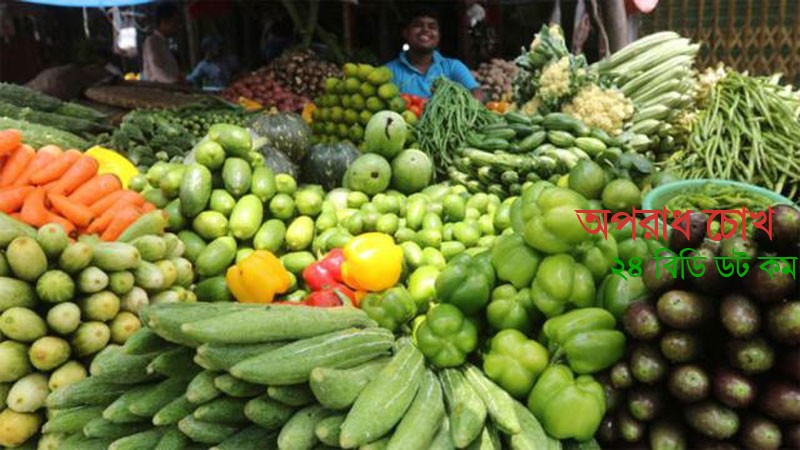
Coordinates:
(605, 109)
(555, 79)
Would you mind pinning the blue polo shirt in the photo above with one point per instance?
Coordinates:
(411, 81)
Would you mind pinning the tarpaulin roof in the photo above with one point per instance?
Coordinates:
(90, 3)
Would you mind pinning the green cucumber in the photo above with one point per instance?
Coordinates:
(206, 432)
(148, 276)
(167, 319)
(15, 293)
(499, 404)
(113, 364)
(72, 420)
(103, 428)
(153, 222)
(91, 280)
(152, 248)
(115, 256)
(532, 141)
(143, 439)
(253, 437)
(270, 235)
(328, 429)
(175, 219)
(172, 439)
(53, 240)
(495, 143)
(298, 432)
(184, 272)
(195, 190)
(293, 362)
(222, 202)
(78, 441)
(222, 410)
(275, 323)
(216, 257)
(590, 145)
(532, 436)
(194, 244)
(489, 439)
(513, 117)
(121, 282)
(268, 413)
(225, 356)
(118, 411)
(237, 176)
(338, 388)
(88, 391)
(234, 139)
(26, 258)
(159, 396)
(173, 412)
(294, 395)
(156, 197)
(299, 233)
(564, 122)
(263, 183)
(144, 341)
(234, 387)
(419, 424)
(246, 217)
(213, 289)
(296, 262)
(384, 401)
(176, 363)
(467, 410)
(443, 440)
(202, 389)
(505, 133)
(380, 444)
(561, 139)
(75, 257)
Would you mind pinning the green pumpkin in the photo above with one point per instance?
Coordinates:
(285, 132)
(326, 164)
(279, 162)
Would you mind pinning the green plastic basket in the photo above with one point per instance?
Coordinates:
(658, 197)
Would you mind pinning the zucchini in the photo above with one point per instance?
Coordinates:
(275, 323)
(253, 437)
(113, 364)
(157, 397)
(420, 423)
(293, 362)
(384, 401)
(234, 387)
(561, 139)
(268, 413)
(499, 404)
(202, 389)
(88, 391)
(327, 430)
(118, 411)
(103, 428)
(177, 363)
(144, 439)
(206, 432)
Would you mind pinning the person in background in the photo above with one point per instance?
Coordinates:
(158, 62)
(416, 68)
(213, 71)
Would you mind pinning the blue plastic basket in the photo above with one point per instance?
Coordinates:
(658, 197)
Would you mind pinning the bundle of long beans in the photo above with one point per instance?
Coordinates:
(750, 132)
(450, 115)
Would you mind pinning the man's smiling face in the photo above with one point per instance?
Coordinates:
(422, 34)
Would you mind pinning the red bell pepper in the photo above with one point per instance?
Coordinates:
(325, 272)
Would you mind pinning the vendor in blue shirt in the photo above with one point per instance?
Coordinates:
(416, 68)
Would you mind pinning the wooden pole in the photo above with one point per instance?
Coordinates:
(616, 25)
(348, 23)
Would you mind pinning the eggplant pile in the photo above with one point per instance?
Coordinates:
(713, 361)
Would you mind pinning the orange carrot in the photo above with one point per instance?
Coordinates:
(101, 222)
(10, 140)
(122, 220)
(16, 216)
(68, 226)
(16, 164)
(11, 197)
(73, 211)
(121, 196)
(33, 209)
(44, 157)
(58, 168)
(147, 207)
(96, 188)
(80, 172)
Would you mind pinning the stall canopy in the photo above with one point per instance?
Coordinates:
(90, 3)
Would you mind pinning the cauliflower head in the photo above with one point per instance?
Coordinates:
(607, 109)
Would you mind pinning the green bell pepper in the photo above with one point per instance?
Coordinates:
(633, 248)
(391, 308)
(553, 226)
(514, 362)
(615, 293)
(467, 282)
(567, 407)
(598, 254)
(511, 308)
(514, 261)
(422, 286)
(587, 338)
(446, 336)
(560, 281)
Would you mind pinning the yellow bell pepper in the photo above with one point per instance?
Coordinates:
(372, 262)
(114, 163)
(257, 278)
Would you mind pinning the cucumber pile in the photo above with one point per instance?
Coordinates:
(236, 376)
(502, 156)
(62, 303)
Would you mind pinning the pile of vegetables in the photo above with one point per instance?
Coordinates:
(198, 118)
(145, 138)
(302, 72)
(449, 117)
(263, 88)
(62, 303)
(748, 133)
(495, 78)
(347, 103)
(52, 185)
(714, 360)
